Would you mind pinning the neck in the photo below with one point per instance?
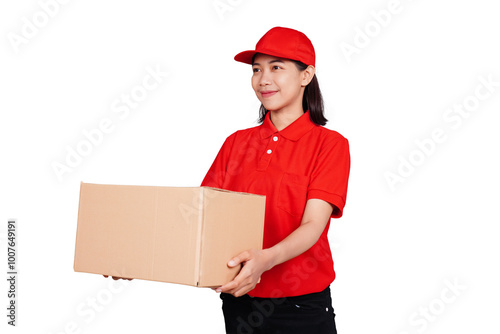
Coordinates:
(281, 118)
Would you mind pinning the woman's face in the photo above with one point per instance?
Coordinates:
(278, 83)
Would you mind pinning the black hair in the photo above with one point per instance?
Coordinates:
(312, 99)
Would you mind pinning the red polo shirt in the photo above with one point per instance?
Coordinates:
(290, 166)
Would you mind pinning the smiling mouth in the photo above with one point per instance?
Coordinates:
(268, 93)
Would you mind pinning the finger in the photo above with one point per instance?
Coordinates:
(240, 279)
(238, 259)
(235, 284)
(238, 287)
(245, 285)
(228, 286)
(243, 290)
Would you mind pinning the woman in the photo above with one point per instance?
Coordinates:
(302, 168)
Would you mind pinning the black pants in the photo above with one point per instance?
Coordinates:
(306, 314)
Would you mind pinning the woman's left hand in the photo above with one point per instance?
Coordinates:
(254, 263)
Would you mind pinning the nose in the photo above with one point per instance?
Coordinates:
(265, 78)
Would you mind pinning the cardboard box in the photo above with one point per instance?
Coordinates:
(180, 235)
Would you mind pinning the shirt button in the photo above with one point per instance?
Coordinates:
(275, 138)
(269, 151)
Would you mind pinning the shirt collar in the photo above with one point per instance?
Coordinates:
(294, 131)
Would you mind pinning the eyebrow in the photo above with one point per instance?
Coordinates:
(272, 61)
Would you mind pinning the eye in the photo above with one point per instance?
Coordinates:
(276, 67)
(255, 69)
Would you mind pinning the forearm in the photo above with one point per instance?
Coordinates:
(314, 220)
(299, 241)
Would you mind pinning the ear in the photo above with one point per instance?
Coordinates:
(307, 75)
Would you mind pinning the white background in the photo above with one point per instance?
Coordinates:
(396, 250)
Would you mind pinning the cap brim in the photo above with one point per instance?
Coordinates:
(245, 56)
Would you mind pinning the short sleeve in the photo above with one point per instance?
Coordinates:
(330, 175)
(217, 172)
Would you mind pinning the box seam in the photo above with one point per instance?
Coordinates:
(154, 233)
(199, 237)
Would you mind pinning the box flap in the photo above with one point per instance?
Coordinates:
(232, 222)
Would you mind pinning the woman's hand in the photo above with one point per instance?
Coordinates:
(316, 216)
(254, 263)
(117, 278)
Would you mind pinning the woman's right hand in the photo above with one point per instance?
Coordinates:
(117, 278)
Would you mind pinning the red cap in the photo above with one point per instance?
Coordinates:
(283, 43)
